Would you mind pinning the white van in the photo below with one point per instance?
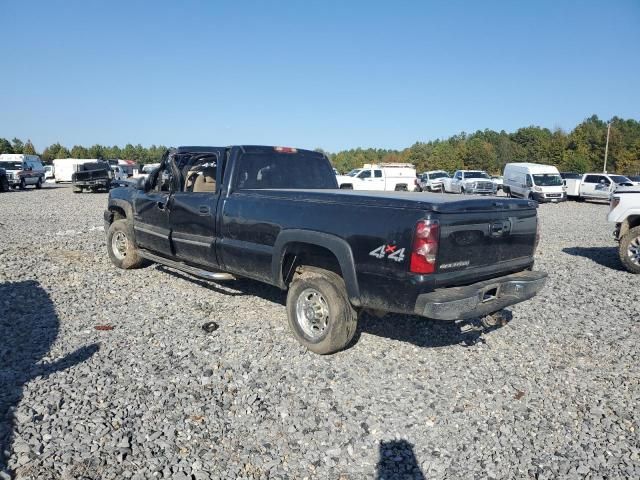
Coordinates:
(534, 181)
(64, 168)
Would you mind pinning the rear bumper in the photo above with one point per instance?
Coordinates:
(92, 183)
(480, 299)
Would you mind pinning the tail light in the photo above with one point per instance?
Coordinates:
(425, 247)
(285, 149)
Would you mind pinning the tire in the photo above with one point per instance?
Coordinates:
(77, 189)
(401, 188)
(23, 184)
(324, 293)
(126, 257)
(4, 184)
(462, 191)
(39, 184)
(346, 186)
(629, 250)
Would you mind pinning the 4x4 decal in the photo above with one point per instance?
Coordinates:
(389, 251)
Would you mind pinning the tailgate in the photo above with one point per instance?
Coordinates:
(498, 238)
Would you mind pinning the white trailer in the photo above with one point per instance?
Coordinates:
(64, 168)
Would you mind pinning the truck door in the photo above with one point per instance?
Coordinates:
(192, 212)
(588, 185)
(456, 183)
(151, 214)
(379, 180)
(603, 187)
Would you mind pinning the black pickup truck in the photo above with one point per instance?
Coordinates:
(92, 176)
(275, 214)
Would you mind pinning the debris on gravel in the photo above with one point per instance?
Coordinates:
(551, 391)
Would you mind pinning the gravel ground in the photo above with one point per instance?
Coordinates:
(553, 393)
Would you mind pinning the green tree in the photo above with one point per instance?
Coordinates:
(17, 145)
(29, 149)
(78, 151)
(5, 146)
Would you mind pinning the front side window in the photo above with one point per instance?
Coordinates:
(529, 181)
(200, 174)
(365, 174)
(547, 180)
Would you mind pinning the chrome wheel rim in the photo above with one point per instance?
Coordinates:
(633, 251)
(312, 312)
(119, 245)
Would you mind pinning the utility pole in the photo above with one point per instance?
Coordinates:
(606, 148)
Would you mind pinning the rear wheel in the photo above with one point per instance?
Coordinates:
(629, 250)
(346, 187)
(4, 184)
(121, 245)
(319, 312)
(39, 184)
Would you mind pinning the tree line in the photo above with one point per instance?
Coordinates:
(580, 150)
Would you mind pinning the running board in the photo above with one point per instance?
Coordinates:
(195, 271)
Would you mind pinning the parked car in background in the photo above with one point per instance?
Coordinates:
(22, 170)
(498, 180)
(92, 177)
(4, 182)
(431, 181)
(470, 181)
(381, 177)
(534, 181)
(119, 173)
(48, 172)
(624, 211)
(276, 216)
(595, 186)
(634, 178)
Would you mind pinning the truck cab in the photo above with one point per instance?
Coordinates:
(470, 181)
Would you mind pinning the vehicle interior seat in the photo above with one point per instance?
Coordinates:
(205, 180)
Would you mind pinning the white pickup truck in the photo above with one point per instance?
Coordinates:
(386, 177)
(470, 181)
(624, 211)
(595, 186)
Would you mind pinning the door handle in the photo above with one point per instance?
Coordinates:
(204, 209)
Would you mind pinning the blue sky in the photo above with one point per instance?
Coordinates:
(330, 74)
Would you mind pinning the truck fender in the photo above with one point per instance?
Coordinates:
(336, 245)
(121, 205)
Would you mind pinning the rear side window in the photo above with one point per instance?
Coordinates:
(591, 179)
(284, 170)
(377, 173)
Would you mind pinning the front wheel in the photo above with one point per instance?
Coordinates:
(23, 184)
(629, 250)
(319, 312)
(4, 184)
(121, 246)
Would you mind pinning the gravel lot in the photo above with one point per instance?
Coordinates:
(553, 393)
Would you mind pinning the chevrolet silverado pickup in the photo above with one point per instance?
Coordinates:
(92, 176)
(276, 215)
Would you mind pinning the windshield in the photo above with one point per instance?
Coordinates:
(11, 165)
(620, 179)
(284, 170)
(475, 175)
(353, 173)
(547, 180)
(438, 175)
